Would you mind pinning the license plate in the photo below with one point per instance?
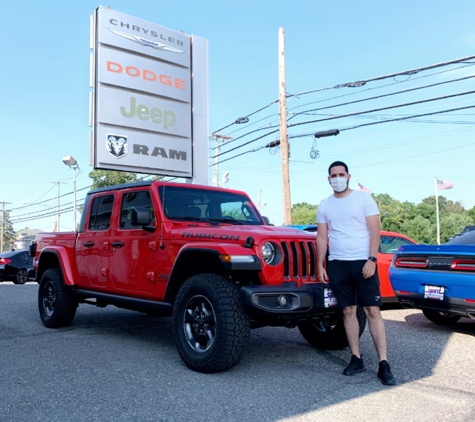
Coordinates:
(434, 292)
(330, 299)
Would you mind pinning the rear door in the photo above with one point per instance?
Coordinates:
(93, 248)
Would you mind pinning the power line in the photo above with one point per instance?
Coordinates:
(356, 127)
(342, 104)
(360, 113)
(354, 84)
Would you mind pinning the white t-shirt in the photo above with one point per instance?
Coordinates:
(347, 228)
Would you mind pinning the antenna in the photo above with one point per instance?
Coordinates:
(162, 222)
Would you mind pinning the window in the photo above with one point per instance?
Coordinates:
(101, 212)
(137, 200)
(390, 244)
(185, 203)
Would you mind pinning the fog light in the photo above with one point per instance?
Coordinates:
(282, 301)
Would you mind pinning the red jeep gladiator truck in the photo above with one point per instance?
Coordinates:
(202, 255)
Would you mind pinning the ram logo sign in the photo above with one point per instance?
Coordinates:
(117, 145)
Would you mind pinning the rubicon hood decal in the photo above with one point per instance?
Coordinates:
(145, 42)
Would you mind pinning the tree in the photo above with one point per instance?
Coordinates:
(393, 213)
(471, 214)
(420, 229)
(304, 213)
(102, 178)
(453, 223)
(8, 241)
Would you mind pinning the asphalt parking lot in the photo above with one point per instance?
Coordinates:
(118, 365)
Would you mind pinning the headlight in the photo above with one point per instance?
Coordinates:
(268, 252)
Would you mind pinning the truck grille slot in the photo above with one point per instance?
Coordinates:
(299, 260)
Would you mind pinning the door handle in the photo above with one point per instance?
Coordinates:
(117, 244)
(88, 244)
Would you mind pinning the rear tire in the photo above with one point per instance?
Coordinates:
(441, 318)
(21, 276)
(210, 325)
(56, 303)
(330, 334)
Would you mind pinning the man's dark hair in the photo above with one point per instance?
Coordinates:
(337, 163)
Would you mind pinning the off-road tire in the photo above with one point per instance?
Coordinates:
(56, 304)
(21, 276)
(441, 318)
(210, 325)
(330, 334)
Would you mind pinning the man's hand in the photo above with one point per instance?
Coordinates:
(322, 275)
(369, 269)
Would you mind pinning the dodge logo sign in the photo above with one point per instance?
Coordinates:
(117, 145)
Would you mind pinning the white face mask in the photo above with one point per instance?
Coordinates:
(339, 184)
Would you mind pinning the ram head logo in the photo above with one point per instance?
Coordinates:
(117, 145)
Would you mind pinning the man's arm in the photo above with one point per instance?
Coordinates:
(322, 245)
(374, 227)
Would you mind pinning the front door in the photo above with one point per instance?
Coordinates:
(133, 262)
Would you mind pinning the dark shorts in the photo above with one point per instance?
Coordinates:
(349, 286)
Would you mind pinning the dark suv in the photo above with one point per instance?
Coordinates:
(15, 266)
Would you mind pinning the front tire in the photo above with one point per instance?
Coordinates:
(330, 334)
(210, 325)
(21, 276)
(56, 304)
(441, 318)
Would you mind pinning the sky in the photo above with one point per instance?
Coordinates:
(44, 81)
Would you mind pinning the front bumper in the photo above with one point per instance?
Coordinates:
(287, 299)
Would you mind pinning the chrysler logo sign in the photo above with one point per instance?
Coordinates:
(145, 42)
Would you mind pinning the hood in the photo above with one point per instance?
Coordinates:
(238, 233)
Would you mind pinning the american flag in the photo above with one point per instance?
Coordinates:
(362, 188)
(444, 184)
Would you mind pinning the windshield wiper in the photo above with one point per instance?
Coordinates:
(189, 218)
(228, 220)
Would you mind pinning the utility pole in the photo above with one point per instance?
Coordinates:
(59, 213)
(3, 224)
(284, 144)
(217, 137)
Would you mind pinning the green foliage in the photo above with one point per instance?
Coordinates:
(8, 241)
(471, 214)
(303, 213)
(453, 223)
(102, 178)
(420, 229)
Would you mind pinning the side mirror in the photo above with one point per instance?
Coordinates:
(141, 217)
(266, 219)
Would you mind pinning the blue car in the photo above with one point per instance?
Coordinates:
(438, 279)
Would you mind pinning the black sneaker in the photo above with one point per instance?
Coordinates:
(384, 373)
(356, 366)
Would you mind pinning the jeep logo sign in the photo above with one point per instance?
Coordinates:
(143, 109)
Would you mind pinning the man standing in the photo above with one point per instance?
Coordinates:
(348, 222)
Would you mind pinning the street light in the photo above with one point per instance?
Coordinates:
(71, 162)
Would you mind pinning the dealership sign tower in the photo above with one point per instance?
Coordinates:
(149, 103)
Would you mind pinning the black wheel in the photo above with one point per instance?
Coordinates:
(21, 276)
(330, 334)
(210, 325)
(56, 303)
(441, 318)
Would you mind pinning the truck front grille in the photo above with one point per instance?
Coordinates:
(299, 260)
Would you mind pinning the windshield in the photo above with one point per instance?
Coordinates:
(208, 205)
